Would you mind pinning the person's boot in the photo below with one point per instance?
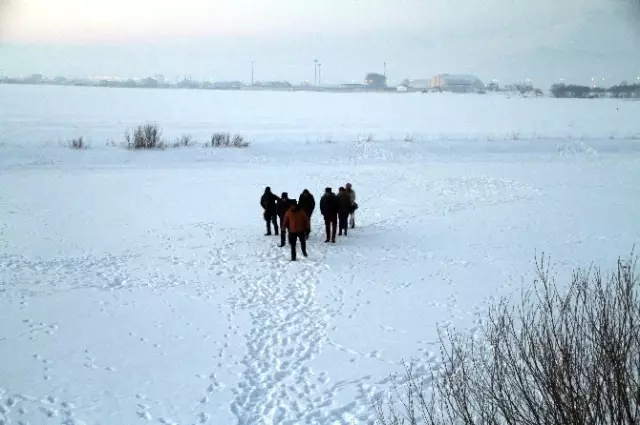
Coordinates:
(268, 231)
(304, 253)
(282, 239)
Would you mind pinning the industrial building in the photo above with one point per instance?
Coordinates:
(458, 83)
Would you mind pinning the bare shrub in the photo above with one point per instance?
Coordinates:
(239, 142)
(147, 136)
(78, 143)
(220, 139)
(184, 141)
(559, 357)
(225, 140)
(365, 138)
(408, 137)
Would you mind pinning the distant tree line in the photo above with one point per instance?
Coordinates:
(622, 90)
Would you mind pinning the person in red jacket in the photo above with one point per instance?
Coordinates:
(296, 221)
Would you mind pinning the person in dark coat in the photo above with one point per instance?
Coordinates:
(296, 221)
(282, 206)
(329, 210)
(344, 209)
(268, 204)
(308, 203)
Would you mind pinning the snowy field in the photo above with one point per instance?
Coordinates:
(137, 287)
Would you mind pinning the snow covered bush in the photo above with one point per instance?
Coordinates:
(365, 138)
(225, 140)
(563, 355)
(78, 143)
(147, 136)
(184, 141)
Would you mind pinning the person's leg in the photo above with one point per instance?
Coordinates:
(327, 228)
(342, 224)
(345, 223)
(308, 233)
(303, 243)
(334, 224)
(352, 219)
(267, 220)
(274, 219)
(283, 237)
(292, 242)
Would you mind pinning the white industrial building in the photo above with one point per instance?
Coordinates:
(459, 83)
(419, 84)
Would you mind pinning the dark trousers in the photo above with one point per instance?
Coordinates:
(293, 239)
(283, 235)
(309, 229)
(270, 218)
(330, 224)
(343, 223)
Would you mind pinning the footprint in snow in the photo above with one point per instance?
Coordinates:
(145, 415)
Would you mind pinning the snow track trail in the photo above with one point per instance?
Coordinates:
(288, 328)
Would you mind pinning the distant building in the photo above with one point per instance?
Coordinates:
(456, 83)
(34, 79)
(418, 84)
(273, 84)
(228, 85)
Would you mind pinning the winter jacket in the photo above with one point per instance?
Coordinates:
(268, 202)
(296, 220)
(352, 195)
(344, 203)
(307, 202)
(283, 206)
(329, 204)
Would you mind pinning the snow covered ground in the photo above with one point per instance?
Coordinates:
(137, 287)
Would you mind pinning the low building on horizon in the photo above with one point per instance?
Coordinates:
(457, 83)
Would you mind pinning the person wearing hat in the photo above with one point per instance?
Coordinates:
(296, 221)
(329, 210)
(268, 204)
(308, 203)
(283, 205)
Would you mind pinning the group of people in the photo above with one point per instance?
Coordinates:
(294, 217)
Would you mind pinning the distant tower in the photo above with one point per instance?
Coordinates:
(315, 72)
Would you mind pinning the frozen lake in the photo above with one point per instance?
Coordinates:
(36, 115)
(138, 288)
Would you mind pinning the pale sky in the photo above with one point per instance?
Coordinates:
(216, 40)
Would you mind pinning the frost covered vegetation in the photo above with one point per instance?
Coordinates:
(149, 136)
(226, 140)
(623, 90)
(78, 143)
(562, 356)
